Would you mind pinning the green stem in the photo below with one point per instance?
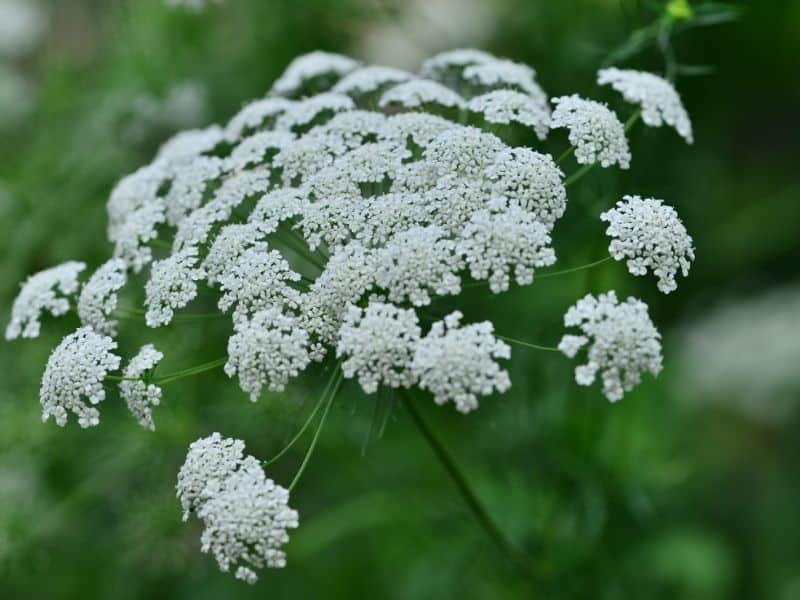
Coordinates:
(170, 377)
(527, 344)
(302, 430)
(460, 481)
(573, 269)
(565, 155)
(307, 458)
(578, 174)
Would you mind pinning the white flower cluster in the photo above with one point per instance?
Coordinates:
(651, 236)
(98, 297)
(267, 349)
(322, 216)
(623, 342)
(379, 343)
(456, 364)
(594, 130)
(44, 291)
(658, 98)
(246, 515)
(383, 344)
(139, 395)
(75, 370)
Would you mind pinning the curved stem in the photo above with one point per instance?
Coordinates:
(302, 430)
(170, 377)
(566, 154)
(304, 464)
(460, 481)
(527, 344)
(574, 269)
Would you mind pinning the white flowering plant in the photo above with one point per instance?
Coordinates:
(331, 221)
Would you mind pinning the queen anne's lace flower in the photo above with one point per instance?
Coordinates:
(347, 277)
(369, 79)
(310, 66)
(594, 130)
(258, 279)
(135, 209)
(254, 116)
(659, 101)
(229, 246)
(98, 297)
(75, 370)
(418, 261)
(209, 459)
(501, 73)
(40, 292)
(651, 236)
(305, 111)
(378, 343)
(246, 520)
(530, 180)
(421, 128)
(457, 364)
(258, 147)
(420, 92)
(501, 237)
(141, 396)
(266, 350)
(463, 151)
(623, 342)
(187, 144)
(189, 185)
(508, 106)
(172, 285)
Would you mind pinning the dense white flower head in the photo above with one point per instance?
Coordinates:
(531, 180)
(135, 209)
(258, 279)
(416, 262)
(76, 370)
(140, 395)
(310, 66)
(369, 79)
(651, 236)
(378, 344)
(172, 285)
(349, 275)
(254, 116)
(501, 73)
(594, 130)
(189, 144)
(44, 291)
(420, 92)
(245, 514)
(189, 185)
(622, 342)
(508, 106)
(457, 364)
(246, 520)
(209, 459)
(302, 113)
(501, 238)
(98, 297)
(267, 350)
(658, 98)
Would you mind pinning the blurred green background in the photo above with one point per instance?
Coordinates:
(688, 488)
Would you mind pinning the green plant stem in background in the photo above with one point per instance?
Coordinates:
(527, 344)
(574, 269)
(170, 377)
(520, 561)
(310, 418)
(337, 382)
